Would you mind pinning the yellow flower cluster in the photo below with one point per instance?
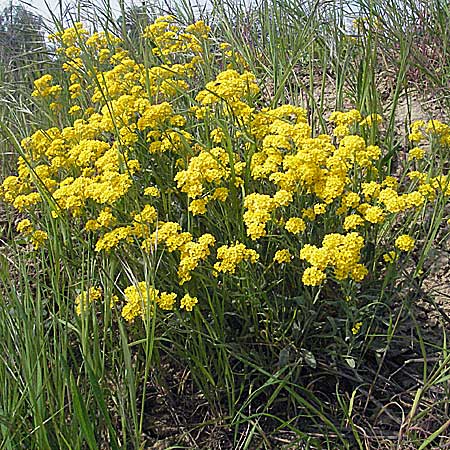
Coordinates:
(209, 169)
(37, 237)
(295, 225)
(230, 256)
(341, 252)
(141, 298)
(45, 88)
(85, 298)
(104, 220)
(416, 153)
(356, 327)
(405, 243)
(343, 121)
(279, 129)
(188, 302)
(169, 39)
(259, 207)
(230, 90)
(390, 257)
(282, 256)
(191, 252)
(371, 119)
(420, 129)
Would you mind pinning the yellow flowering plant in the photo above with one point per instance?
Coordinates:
(211, 210)
(139, 157)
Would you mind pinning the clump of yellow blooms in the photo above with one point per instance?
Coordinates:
(228, 93)
(341, 252)
(295, 225)
(405, 243)
(142, 297)
(85, 298)
(390, 257)
(37, 237)
(371, 119)
(45, 88)
(356, 327)
(282, 256)
(138, 299)
(416, 153)
(343, 121)
(188, 302)
(208, 170)
(433, 128)
(230, 256)
(259, 208)
(195, 171)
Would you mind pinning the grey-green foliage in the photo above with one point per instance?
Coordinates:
(22, 39)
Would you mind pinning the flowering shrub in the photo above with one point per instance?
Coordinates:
(157, 161)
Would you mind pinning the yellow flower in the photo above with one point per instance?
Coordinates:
(166, 300)
(342, 252)
(282, 256)
(139, 298)
(192, 253)
(38, 238)
(320, 208)
(416, 134)
(220, 194)
(353, 221)
(24, 226)
(83, 300)
(152, 191)
(390, 257)
(74, 109)
(112, 239)
(217, 135)
(188, 302)
(295, 225)
(283, 198)
(313, 276)
(356, 327)
(309, 214)
(371, 119)
(198, 206)
(405, 243)
(350, 200)
(259, 208)
(374, 214)
(416, 153)
(230, 256)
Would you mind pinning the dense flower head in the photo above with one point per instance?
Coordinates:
(295, 225)
(85, 298)
(171, 39)
(343, 121)
(230, 256)
(282, 256)
(405, 243)
(188, 302)
(210, 168)
(191, 254)
(342, 252)
(138, 298)
(259, 208)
